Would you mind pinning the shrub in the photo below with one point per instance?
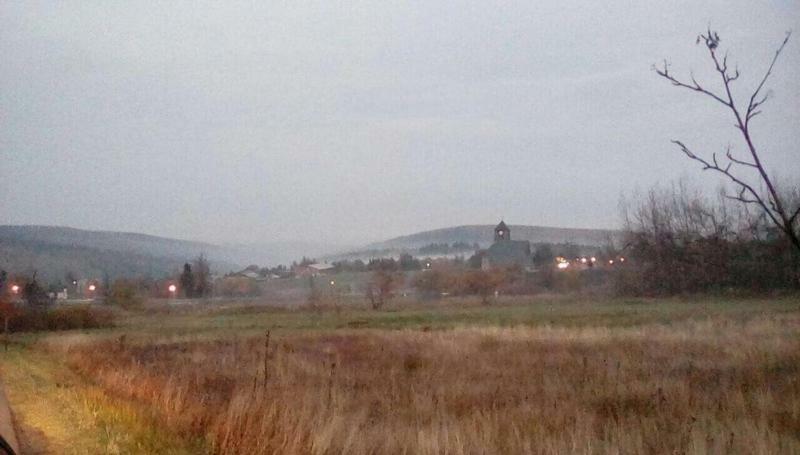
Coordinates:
(124, 293)
(682, 241)
(234, 286)
(432, 283)
(32, 319)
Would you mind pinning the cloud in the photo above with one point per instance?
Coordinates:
(359, 121)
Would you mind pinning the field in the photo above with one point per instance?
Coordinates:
(540, 375)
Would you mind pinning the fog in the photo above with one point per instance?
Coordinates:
(348, 122)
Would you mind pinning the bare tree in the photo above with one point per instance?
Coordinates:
(380, 287)
(777, 206)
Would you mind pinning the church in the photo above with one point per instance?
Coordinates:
(505, 252)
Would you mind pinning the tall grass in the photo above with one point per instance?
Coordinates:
(718, 386)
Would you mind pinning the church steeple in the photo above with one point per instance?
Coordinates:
(502, 232)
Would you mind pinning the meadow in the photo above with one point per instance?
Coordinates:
(545, 375)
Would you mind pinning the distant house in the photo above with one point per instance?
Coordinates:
(60, 295)
(251, 273)
(315, 269)
(506, 252)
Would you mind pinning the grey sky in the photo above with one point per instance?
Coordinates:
(355, 121)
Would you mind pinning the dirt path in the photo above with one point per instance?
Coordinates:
(7, 426)
(56, 412)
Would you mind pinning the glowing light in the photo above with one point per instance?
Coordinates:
(92, 287)
(333, 283)
(563, 265)
(621, 259)
(583, 260)
(173, 288)
(610, 262)
(15, 289)
(594, 259)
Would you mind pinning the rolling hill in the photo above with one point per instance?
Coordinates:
(483, 235)
(54, 251)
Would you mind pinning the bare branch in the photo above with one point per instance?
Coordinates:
(752, 110)
(794, 216)
(745, 188)
(725, 63)
(737, 161)
(694, 86)
(734, 76)
(742, 198)
(753, 104)
(771, 202)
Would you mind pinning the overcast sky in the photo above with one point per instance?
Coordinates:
(348, 122)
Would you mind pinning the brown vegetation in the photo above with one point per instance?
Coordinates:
(681, 241)
(719, 385)
(125, 294)
(454, 280)
(381, 286)
(32, 319)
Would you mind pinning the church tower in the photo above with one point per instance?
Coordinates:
(502, 232)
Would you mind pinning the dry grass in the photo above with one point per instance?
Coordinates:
(56, 412)
(718, 385)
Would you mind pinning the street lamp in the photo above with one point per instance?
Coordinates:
(172, 289)
(15, 289)
(92, 288)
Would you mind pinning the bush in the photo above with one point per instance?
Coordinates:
(234, 286)
(31, 319)
(683, 242)
(433, 283)
(124, 293)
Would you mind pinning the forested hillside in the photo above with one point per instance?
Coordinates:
(53, 252)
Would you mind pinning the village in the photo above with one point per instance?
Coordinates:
(506, 267)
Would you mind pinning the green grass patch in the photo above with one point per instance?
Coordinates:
(446, 314)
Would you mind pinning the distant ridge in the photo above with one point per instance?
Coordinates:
(103, 240)
(55, 251)
(482, 234)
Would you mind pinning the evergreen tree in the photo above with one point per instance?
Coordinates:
(202, 276)
(187, 281)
